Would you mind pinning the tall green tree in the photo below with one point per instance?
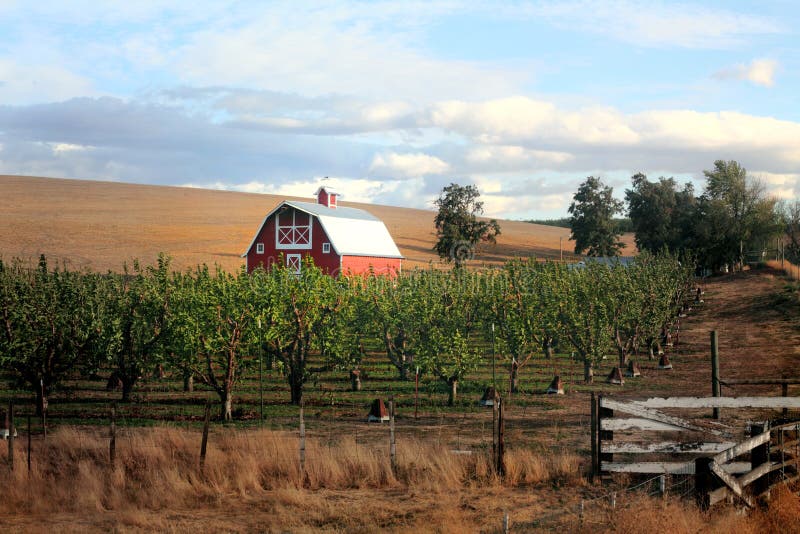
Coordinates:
(135, 307)
(458, 229)
(303, 310)
(217, 319)
(734, 215)
(791, 221)
(661, 214)
(585, 313)
(592, 219)
(49, 322)
(448, 310)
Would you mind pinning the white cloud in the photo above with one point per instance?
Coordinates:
(68, 147)
(759, 71)
(572, 138)
(26, 84)
(654, 24)
(338, 49)
(785, 186)
(407, 165)
(512, 158)
(520, 120)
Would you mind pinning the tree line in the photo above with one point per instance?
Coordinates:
(212, 326)
(731, 216)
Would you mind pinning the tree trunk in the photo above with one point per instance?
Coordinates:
(651, 346)
(227, 405)
(588, 371)
(41, 400)
(296, 387)
(514, 376)
(623, 356)
(403, 368)
(127, 389)
(188, 381)
(355, 380)
(548, 348)
(452, 382)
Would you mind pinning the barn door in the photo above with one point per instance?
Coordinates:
(294, 262)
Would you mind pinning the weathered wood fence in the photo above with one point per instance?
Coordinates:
(715, 460)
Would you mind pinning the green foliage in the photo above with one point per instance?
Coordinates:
(661, 215)
(134, 307)
(458, 230)
(731, 217)
(215, 325)
(447, 310)
(302, 313)
(734, 214)
(50, 324)
(592, 211)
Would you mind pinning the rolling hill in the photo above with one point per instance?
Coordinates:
(101, 225)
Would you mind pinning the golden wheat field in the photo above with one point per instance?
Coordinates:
(100, 225)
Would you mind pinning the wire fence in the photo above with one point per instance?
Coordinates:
(597, 510)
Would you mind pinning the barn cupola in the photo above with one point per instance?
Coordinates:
(327, 197)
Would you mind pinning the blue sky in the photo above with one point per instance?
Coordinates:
(394, 100)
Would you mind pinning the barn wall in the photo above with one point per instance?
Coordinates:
(328, 262)
(363, 264)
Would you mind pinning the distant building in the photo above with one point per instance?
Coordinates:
(340, 240)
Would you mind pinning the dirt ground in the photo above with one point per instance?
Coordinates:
(757, 321)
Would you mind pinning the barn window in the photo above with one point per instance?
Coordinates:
(294, 262)
(326, 248)
(259, 248)
(292, 229)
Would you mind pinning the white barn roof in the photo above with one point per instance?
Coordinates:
(352, 232)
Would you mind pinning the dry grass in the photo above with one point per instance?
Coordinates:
(100, 225)
(791, 270)
(157, 472)
(159, 468)
(252, 481)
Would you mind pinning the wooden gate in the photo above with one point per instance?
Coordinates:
(701, 448)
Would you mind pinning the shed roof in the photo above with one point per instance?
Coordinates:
(352, 231)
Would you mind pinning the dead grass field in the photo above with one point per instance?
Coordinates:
(100, 225)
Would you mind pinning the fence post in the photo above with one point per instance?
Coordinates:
(501, 442)
(703, 479)
(392, 445)
(758, 456)
(603, 435)
(29, 443)
(416, 392)
(715, 385)
(662, 485)
(204, 442)
(11, 435)
(112, 445)
(44, 409)
(595, 467)
(505, 523)
(785, 393)
(302, 440)
(495, 407)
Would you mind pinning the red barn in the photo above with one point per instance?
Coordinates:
(340, 240)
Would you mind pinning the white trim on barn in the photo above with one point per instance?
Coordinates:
(352, 232)
(293, 236)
